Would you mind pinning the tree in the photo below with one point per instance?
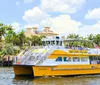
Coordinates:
(10, 36)
(97, 39)
(74, 36)
(28, 40)
(36, 40)
(21, 38)
(8, 49)
(91, 37)
(3, 30)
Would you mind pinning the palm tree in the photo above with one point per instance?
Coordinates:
(91, 37)
(28, 40)
(97, 39)
(21, 38)
(36, 40)
(3, 30)
(9, 36)
(74, 36)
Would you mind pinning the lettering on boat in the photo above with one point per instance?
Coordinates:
(78, 51)
(42, 68)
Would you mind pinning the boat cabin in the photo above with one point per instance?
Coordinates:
(74, 55)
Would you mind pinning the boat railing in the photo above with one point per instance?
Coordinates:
(94, 51)
(40, 56)
(32, 53)
(36, 56)
(45, 55)
(22, 59)
(27, 54)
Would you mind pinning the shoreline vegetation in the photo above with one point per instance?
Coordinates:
(12, 43)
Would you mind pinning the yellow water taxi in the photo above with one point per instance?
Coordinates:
(55, 58)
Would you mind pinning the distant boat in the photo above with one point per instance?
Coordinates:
(55, 58)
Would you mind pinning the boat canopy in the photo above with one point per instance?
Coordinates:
(60, 41)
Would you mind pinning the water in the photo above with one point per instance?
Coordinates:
(7, 78)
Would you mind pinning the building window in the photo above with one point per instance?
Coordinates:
(59, 59)
(67, 59)
(76, 59)
(84, 59)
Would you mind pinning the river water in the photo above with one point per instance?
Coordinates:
(7, 78)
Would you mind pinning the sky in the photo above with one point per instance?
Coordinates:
(63, 16)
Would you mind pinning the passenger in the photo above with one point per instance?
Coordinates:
(80, 48)
(98, 61)
(73, 47)
(70, 47)
(94, 62)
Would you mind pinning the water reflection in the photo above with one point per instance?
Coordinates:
(7, 78)
(78, 80)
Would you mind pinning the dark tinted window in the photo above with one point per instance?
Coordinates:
(67, 59)
(84, 59)
(59, 59)
(76, 59)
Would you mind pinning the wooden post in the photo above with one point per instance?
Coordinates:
(8, 60)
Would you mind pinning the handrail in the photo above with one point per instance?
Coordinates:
(44, 56)
(29, 52)
(26, 55)
(40, 56)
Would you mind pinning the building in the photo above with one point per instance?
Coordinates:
(34, 31)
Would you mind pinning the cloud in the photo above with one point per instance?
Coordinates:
(62, 24)
(31, 25)
(90, 29)
(28, 1)
(17, 3)
(34, 15)
(16, 26)
(93, 14)
(64, 6)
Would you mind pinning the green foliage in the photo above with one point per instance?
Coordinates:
(75, 36)
(97, 39)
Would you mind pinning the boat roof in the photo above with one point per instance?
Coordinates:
(79, 40)
(67, 40)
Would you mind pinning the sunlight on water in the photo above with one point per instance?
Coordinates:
(7, 78)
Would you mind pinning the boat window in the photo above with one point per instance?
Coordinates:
(98, 61)
(76, 59)
(57, 42)
(43, 43)
(48, 42)
(84, 59)
(60, 43)
(52, 42)
(59, 59)
(93, 59)
(67, 59)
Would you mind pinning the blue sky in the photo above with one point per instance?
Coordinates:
(63, 16)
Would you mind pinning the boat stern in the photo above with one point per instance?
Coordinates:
(23, 70)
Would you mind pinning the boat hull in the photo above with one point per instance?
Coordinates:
(62, 70)
(23, 70)
(65, 70)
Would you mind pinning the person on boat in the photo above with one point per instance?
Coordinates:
(80, 48)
